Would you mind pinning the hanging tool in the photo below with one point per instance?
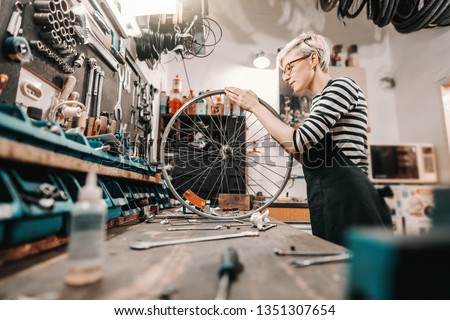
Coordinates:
(92, 64)
(3, 81)
(321, 260)
(118, 106)
(16, 47)
(229, 268)
(143, 245)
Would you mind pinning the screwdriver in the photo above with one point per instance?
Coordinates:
(229, 268)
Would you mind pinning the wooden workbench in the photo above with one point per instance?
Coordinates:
(191, 269)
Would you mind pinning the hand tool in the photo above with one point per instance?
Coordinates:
(68, 87)
(229, 268)
(321, 260)
(118, 106)
(17, 48)
(270, 226)
(194, 228)
(142, 245)
(92, 64)
(3, 81)
(99, 92)
(280, 252)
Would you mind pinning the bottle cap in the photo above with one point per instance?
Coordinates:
(90, 192)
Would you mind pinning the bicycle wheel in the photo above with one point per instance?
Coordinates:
(222, 166)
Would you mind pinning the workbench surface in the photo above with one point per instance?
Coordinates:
(190, 269)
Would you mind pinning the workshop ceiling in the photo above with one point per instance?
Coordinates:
(255, 21)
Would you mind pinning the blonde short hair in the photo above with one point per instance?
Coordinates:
(304, 45)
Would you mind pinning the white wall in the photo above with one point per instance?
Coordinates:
(421, 63)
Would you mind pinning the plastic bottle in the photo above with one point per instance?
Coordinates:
(191, 109)
(87, 235)
(226, 106)
(200, 106)
(352, 56)
(176, 100)
(163, 103)
(217, 107)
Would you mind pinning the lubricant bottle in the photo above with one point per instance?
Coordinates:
(87, 235)
(176, 99)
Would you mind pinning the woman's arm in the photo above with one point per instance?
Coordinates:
(280, 131)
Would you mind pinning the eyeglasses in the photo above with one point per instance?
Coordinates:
(288, 68)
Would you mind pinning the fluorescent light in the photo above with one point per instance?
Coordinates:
(137, 8)
(261, 61)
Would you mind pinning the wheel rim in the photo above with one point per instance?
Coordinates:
(214, 158)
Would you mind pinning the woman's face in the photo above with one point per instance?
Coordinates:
(296, 71)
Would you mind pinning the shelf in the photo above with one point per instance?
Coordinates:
(20, 152)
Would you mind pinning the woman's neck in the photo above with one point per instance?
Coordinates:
(320, 81)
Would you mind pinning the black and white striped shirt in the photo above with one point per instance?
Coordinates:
(341, 109)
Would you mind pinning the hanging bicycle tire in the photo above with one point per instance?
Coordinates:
(222, 166)
(328, 5)
(430, 11)
(351, 8)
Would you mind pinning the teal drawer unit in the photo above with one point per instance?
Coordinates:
(118, 196)
(11, 207)
(133, 199)
(162, 195)
(46, 206)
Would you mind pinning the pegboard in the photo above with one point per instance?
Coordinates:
(51, 72)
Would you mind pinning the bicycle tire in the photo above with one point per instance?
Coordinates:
(425, 15)
(355, 9)
(226, 152)
(387, 17)
(328, 5)
(405, 9)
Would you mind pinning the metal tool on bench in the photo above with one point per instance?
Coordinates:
(321, 260)
(143, 245)
(280, 252)
(229, 268)
(194, 228)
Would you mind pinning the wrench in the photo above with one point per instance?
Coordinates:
(143, 245)
(321, 260)
(100, 91)
(194, 228)
(118, 106)
(280, 252)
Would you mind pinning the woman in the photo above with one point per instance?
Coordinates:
(331, 144)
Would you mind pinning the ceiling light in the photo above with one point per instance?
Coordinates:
(261, 61)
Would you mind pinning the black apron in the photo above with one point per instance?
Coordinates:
(340, 194)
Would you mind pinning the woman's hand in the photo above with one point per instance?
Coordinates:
(246, 99)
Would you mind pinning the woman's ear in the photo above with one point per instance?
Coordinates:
(313, 60)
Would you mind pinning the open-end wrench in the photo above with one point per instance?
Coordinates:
(143, 245)
(321, 260)
(194, 228)
(101, 75)
(280, 252)
(92, 64)
(118, 106)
